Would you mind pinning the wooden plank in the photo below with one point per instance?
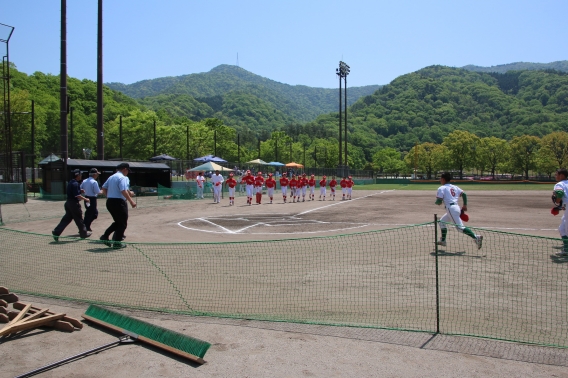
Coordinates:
(75, 322)
(9, 298)
(62, 325)
(19, 316)
(181, 353)
(21, 326)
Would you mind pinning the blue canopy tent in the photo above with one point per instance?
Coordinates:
(275, 164)
(208, 158)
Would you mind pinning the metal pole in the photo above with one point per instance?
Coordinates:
(304, 156)
(316, 156)
(276, 152)
(437, 274)
(154, 137)
(345, 99)
(215, 142)
(33, 142)
(100, 119)
(63, 93)
(187, 142)
(340, 128)
(71, 136)
(259, 147)
(120, 137)
(239, 149)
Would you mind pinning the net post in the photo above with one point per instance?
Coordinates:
(437, 274)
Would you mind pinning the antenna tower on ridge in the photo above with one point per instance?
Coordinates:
(237, 59)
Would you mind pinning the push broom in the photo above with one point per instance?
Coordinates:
(133, 330)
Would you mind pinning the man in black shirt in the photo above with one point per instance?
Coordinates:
(73, 209)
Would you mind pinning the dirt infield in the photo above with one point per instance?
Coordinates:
(525, 212)
(258, 349)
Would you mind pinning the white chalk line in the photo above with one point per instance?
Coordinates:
(340, 202)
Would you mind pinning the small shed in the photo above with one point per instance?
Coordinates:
(144, 174)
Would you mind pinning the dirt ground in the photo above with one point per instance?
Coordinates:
(245, 348)
(524, 212)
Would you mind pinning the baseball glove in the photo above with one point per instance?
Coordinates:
(557, 205)
(463, 216)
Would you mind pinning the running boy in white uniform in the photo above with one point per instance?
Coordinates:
(560, 199)
(449, 195)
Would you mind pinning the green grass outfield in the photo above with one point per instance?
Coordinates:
(465, 186)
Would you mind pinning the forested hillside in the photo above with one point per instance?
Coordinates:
(561, 65)
(427, 105)
(223, 87)
(452, 116)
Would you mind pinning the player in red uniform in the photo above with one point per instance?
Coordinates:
(312, 185)
(231, 183)
(343, 184)
(323, 183)
(350, 184)
(332, 185)
(249, 180)
(284, 186)
(258, 183)
(270, 185)
(293, 186)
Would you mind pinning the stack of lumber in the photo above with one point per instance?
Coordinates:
(25, 317)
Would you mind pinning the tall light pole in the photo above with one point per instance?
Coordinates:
(100, 119)
(342, 72)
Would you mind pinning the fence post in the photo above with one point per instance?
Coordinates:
(437, 275)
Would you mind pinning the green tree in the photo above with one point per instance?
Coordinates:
(460, 146)
(556, 145)
(490, 153)
(523, 154)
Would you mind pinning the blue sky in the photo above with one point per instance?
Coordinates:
(293, 42)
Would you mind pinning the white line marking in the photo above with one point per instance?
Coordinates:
(343, 202)
(215, 224)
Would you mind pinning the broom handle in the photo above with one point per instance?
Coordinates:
(122, 339)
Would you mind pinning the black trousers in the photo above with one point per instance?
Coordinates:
(73, 212)
(91, 213)
(118, 209)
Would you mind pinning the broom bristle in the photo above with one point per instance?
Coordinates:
(165, 336)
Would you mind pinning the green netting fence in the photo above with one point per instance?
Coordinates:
(514, 288)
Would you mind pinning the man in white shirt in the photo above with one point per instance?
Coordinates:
(217, 180)
(90, 188)
(200, 184)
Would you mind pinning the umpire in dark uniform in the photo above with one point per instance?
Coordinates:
(116, 188)
(73, 209)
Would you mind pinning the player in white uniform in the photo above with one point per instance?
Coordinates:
(200, 184)
(449, 195)
(560, 199)
(217, 181)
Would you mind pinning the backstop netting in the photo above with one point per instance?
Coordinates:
(514, 288)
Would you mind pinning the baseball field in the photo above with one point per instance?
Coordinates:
(306, 280)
